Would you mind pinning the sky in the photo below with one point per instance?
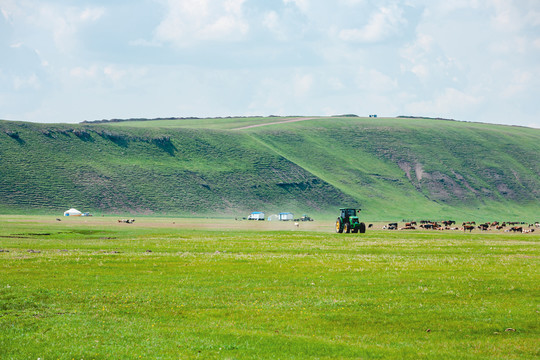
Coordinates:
(69, 61)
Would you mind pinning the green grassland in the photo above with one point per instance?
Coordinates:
(91, 288)
(393, 168)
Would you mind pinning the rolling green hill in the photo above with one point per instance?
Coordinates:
(393, 168)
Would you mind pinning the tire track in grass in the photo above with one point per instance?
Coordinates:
(277, 122)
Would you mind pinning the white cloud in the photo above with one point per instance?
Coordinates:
(5, 14)
(84, 73)
(507, 17)
(372, 80)
(99, 74)
(302, 84)
(190, 21)
(91, 14)
(49, 20)
(335, 83)
(303, 5)
(352, 2)
(416, 54)
(27, 82)
(520, 82)
(272, 22)
(451, 102)
(386, 22)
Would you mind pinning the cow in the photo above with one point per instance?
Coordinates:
(432, 225)
(407, 228)
(392, 226)
(126, 221)
(483, 227)
(468, 227)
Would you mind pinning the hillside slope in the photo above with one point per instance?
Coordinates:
(392, 168)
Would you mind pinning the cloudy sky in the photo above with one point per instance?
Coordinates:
(69, 61)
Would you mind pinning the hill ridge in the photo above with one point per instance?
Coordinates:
(393, 168)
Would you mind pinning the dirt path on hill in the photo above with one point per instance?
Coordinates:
(278, 122)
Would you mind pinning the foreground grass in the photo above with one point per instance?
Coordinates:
(89, 291)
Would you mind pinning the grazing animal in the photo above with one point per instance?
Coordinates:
(407, 228)
(126, 221)
(296, 224)
(483, 227)
(392, 226)
(468, 227)
(370, 226)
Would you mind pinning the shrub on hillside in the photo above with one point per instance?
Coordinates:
(82, 134)
(12, 134)
(164, 143)
(47, 132)
(117, 138)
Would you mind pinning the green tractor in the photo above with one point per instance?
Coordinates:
(348, 222)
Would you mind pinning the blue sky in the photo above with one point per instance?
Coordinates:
(69, 61)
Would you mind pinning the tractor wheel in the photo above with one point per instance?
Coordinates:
(347, 227)
(339, 226)
(362, 228)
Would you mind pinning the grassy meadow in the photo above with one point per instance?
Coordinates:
(167, 288)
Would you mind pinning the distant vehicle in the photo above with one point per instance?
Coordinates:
(306, 218)
(256, 215)
(348, 222)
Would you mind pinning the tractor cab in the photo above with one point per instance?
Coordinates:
(348, 213)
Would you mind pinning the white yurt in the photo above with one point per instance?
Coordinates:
(72, 212)
(286, 216)
(256, 215)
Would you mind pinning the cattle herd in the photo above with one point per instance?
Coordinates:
(506, 226)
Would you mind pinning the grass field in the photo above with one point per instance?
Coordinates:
(164, 288)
